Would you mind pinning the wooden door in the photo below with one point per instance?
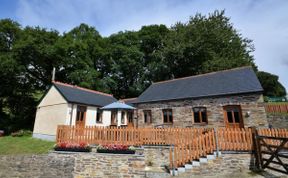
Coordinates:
(233, 116)
(113, 118)
(81, 116)
(130, 119)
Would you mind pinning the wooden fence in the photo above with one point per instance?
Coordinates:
(228, 139)
(189, 143)
(127, 136)
(192, 149)
(276, 108)
(236, 139)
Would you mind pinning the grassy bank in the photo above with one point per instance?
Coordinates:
(24, 145)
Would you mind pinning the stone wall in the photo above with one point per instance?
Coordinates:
(278, 120)
(156, 156)
(183, 114)
(233, 165)
(33, 166)
(78, 165)
(109, 165)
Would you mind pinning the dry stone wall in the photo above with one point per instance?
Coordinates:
(278, 121)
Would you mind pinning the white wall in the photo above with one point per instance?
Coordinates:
(51, 112)
(106, 119)
(91, 114)
(52, 97)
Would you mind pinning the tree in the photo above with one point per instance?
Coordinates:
(206, 44)
(270, 84)
(17, 105)
(81, 57)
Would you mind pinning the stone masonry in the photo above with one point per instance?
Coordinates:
(183, 113)
(84, 165)
(77, 165)
(278, 120)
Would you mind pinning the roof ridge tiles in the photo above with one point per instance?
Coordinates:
(127, 99)
(81, 88)
(200, 75)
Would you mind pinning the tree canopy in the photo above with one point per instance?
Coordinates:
(123, 64)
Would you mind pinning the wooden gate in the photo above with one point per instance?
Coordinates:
(272, 153)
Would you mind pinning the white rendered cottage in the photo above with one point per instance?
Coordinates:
(66, 104)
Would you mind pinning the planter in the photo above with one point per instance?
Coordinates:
(116, 151)
(73, 149)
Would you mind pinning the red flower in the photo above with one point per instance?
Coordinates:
(72, 145)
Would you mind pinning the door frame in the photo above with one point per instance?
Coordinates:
(130, 113)
(83, 122)
(234, 124)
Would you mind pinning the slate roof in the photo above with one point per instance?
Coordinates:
(75, 94)
(227, 82)
(117, 105)
(129, 101)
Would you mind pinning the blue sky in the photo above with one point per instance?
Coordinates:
(263, 21)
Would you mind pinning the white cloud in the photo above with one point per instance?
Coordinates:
(265, 22)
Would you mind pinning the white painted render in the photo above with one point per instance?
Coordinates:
(54, 110)
(51, 111)
(52, 97)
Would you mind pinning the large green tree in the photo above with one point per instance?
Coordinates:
(270, 84)
(206, 44)
(17, 104)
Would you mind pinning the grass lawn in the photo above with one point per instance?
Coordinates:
(24, 145)
(276, 103)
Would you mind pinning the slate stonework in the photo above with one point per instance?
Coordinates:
(278, 121)
(35, 166)
(183, 115)
(109, 165)
(156, 156)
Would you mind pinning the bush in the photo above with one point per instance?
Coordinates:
(21, 133)
(2, 133)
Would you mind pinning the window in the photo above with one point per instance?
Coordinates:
(167, 116)
(113, 117)
(147, 116)
(99, 116)
(130, 117)
(200, 115)
(123, 117)
(81, 110)
(233, 114)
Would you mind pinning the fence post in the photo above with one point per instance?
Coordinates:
(173, 159)
(216, 141)
(256, 148)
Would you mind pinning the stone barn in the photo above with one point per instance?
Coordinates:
(230, 98)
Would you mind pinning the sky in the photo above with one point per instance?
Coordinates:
(263, 21)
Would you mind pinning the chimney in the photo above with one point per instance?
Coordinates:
(53, 74)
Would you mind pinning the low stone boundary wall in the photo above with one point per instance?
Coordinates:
(79, 165)
(156, 156)
(278, 120)
(108, 165)
(84, 165)
(44, 166)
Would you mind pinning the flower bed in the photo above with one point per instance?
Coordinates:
(75, 147)
(116, 149)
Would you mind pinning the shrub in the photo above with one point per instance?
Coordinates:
(21, 133)
(1, 133)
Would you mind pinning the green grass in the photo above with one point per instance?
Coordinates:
(24, 145)
(276, 103)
